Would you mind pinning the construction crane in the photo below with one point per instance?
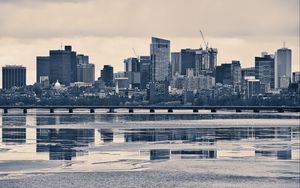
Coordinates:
(205, 43)
(135, 53)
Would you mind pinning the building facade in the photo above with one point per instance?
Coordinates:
(107, 74)
(283, 67)
(160, 59)
(13, 76)
(264, 69)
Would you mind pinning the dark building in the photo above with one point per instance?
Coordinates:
(107, 75)
(85, 70)
(223, 74)
(132, 71)
(229, 73)
(42, 67)
(264, 69)
(63, 66)
(187, 60)
(13, 76)
(248, 72)
(145, 71)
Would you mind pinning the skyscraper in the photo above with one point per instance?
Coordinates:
(236, 72)
(187, 60)
(264, 69)
(107, 74)
(175, 63)
(13, 75)
(145, 71)
(86, 73)
(283, 67)
(160, 59)
(132, 71)
(63, 66)
(85, 70)
(42, 67)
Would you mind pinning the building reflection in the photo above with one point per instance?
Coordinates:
(63, 144)
(163, 154)
(107, 135)
(13, 129)
(54, 119)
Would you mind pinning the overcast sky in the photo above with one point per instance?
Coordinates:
(107, 30)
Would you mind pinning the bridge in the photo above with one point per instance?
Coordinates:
(169, 109)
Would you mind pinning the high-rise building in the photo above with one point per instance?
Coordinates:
(296, 77)
(187, 60)
(13, 76)
(175, 63)
(248, 72)
(223, 74)
(283, 67)
(160, 59)
(229, 73)
(82, 59)
(42, 67)
(86, 73)
(132, 71)
(264, 69)
(85, 70)
(63, 66)
(145, 71)
(107, 75)
(236, 72)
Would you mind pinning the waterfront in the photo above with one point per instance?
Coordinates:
(149, 150)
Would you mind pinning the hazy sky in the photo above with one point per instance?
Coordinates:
(107, 30)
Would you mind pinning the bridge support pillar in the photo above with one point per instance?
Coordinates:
(170, 110)
(256, 110)
(70, 110)
(5, 111)
(213, 110)
(51, 111)
(280, 110)
(195, 110)
(152, 110)
(24, 110)
(130, 110)
(92, 110)
(111, 110)
(238, 110)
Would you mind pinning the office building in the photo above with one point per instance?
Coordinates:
(13, 76)
(296, 77)
(187, 60)
(248, 72)
(175, 63)
(264, 69)
(160, 59)
(63, 66)
(42, 67)
(132, 72)
(86, 73)
(145, 71)
(107, 74)
(283, 67)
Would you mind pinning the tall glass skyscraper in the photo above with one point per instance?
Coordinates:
(283, 67)
(264, 69)
(160, 59)
(13, 75)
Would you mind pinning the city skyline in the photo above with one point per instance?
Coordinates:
(108, 37)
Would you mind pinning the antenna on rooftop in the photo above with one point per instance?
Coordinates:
(283, 44)
(61, 46)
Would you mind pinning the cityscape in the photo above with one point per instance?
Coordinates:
(188, 77)
(149, 93)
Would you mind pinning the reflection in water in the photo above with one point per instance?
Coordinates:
(13, 135)
(176, 143)
(61, 143)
